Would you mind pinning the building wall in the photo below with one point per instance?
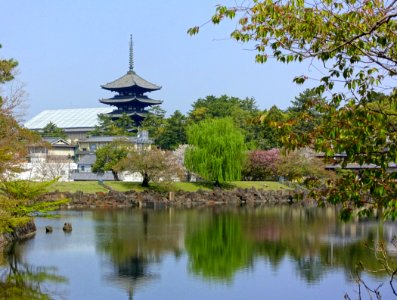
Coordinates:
(63, 152)
(131, 177)
(84, 168)
(42, 171)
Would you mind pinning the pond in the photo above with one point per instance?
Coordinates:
(211, 253)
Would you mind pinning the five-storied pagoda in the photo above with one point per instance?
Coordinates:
(130, 98)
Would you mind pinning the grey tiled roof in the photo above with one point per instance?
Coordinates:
(88, 159)
(131, 79)
(356, 166)
(107, 139)
(53, 140)
(88, 176)
(143, 138)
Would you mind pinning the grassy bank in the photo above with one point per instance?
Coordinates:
(94, 186)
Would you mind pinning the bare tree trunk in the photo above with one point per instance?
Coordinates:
(115, 175)
(145, 182)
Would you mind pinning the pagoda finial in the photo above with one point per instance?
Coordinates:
(131, 55)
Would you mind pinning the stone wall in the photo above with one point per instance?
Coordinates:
(156, 199)
(19, 233)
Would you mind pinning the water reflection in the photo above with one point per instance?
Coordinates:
(219, 247)
(221, 242)
(157, 254)
(20, 280)
(312, 239)
(134, 240)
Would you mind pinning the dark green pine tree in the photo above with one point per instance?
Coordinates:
(174, 133)
(154, 122)
(303, 111)
(52, 130)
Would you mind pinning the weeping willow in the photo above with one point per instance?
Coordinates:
(219, 248)
(217, 150)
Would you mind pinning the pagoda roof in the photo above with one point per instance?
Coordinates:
(127, 99)
(130, 80)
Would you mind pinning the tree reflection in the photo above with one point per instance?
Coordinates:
(310, 268)
(221, 242)
(19, 280)
(133, 240)
(313, 239)
(218, 248)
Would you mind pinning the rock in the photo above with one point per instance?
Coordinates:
(19, 233)
(48, 229)
(67, 227)
(154, 199)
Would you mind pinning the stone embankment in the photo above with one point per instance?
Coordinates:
(154, 199)
(19, 233)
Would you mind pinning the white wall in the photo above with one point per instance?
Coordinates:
(41, 171)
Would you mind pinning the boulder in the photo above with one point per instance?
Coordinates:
(67, 227)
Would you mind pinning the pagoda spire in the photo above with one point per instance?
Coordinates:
(131, 69)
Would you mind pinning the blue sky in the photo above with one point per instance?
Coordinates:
(67, 49)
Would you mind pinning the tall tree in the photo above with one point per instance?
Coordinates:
(14, 139)
(303, 115)
(219, 107)
(174, 132)
(271, 128)
(354, 41)
(244, 113)
(154, 122)
(108, 156)
(17, 198)
(52, 130)
(7, 69)
(217, 150)
(109, 127)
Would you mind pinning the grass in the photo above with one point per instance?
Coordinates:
(93, 186)
(194, 186)
(74, 186)
(122, 186)
(265, 185)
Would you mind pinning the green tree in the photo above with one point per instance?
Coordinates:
(217, 150)
(152, 164)
(302, 165)
(14, 139)
(154, 122)
(219, 107)
(219, 248)
(18, 199)
(52, 130)
(303, 117)
(271, 129)
(109, 127)
(174, 132)
(126, 124)
(244, 113)
(7, 69)
(354, 41)
(108, 156)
